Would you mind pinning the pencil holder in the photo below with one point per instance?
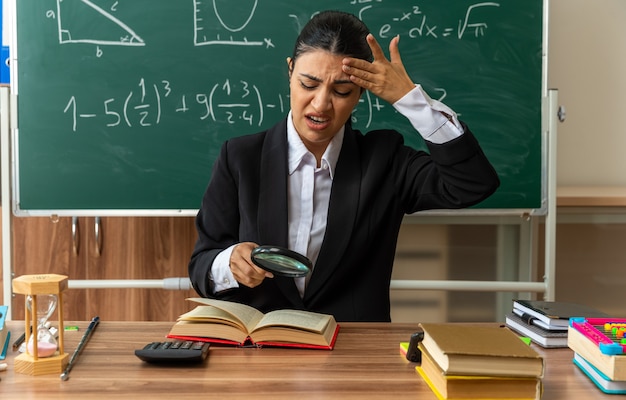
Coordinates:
(38, 359)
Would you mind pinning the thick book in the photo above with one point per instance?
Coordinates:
(552, 315)
(462, 349)
(601, 381)
(452, 387)
(543, 337)
(613, 366)
(227, 322)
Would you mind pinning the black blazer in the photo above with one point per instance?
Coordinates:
(377, 181)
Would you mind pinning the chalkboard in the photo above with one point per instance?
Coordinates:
(122, 105)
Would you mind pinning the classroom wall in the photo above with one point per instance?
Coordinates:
(587, 64)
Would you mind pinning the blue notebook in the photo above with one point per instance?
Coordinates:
(5, 335)
(5, 348)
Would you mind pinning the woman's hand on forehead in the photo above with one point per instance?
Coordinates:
(385, 78)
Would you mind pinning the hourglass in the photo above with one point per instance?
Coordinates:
(46, 343)
(43, 294)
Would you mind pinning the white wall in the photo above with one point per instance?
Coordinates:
(587, 64)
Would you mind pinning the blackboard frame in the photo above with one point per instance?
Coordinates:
(19, 209)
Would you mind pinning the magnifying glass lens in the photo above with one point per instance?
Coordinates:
(281, 261)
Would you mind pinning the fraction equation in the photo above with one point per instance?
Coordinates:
(149, 104)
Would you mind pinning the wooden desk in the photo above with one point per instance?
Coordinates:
(366, 364)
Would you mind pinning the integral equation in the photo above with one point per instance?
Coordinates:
(415, 23)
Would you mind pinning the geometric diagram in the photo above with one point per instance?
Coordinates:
(111, 31)
(211, 17)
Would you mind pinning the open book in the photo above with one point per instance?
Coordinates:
(227, 322)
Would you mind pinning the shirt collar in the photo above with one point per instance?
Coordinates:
(297, 149)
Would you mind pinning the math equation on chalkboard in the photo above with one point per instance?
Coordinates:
(144, 106)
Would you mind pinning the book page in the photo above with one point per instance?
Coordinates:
(246, 315)
(303, 320)
(211, 314)
(211, 329)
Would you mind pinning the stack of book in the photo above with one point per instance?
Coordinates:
(546, 322)
(478, 362)
(5, 335)
(600, 351)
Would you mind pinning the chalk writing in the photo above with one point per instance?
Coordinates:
(231, 102)
(123, 35)
(204, 23)
(215, 24)
(414, 23)
(228, 102)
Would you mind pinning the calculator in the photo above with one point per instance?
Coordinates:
(176, 351)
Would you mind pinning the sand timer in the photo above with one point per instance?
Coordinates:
(44, 294)
(44, 306)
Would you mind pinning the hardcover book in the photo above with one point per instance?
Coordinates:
(601, 381)
(462, 349)
(452, 387)
(552, 315)
(227, 322)
(543, 337)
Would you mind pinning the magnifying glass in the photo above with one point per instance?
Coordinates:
(281, 261)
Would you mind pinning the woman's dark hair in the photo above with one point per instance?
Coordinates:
(337, 32)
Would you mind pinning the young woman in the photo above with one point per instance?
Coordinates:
(315, 185)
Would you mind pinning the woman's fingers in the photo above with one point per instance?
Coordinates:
(384, 78)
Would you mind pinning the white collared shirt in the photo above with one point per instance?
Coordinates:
(309, 194)
(309, 187)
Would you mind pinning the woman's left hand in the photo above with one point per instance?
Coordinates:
(385, 78)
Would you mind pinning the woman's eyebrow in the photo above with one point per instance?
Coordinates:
(316, 79)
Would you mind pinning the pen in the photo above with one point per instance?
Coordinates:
(92, 326)
(18, 342)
